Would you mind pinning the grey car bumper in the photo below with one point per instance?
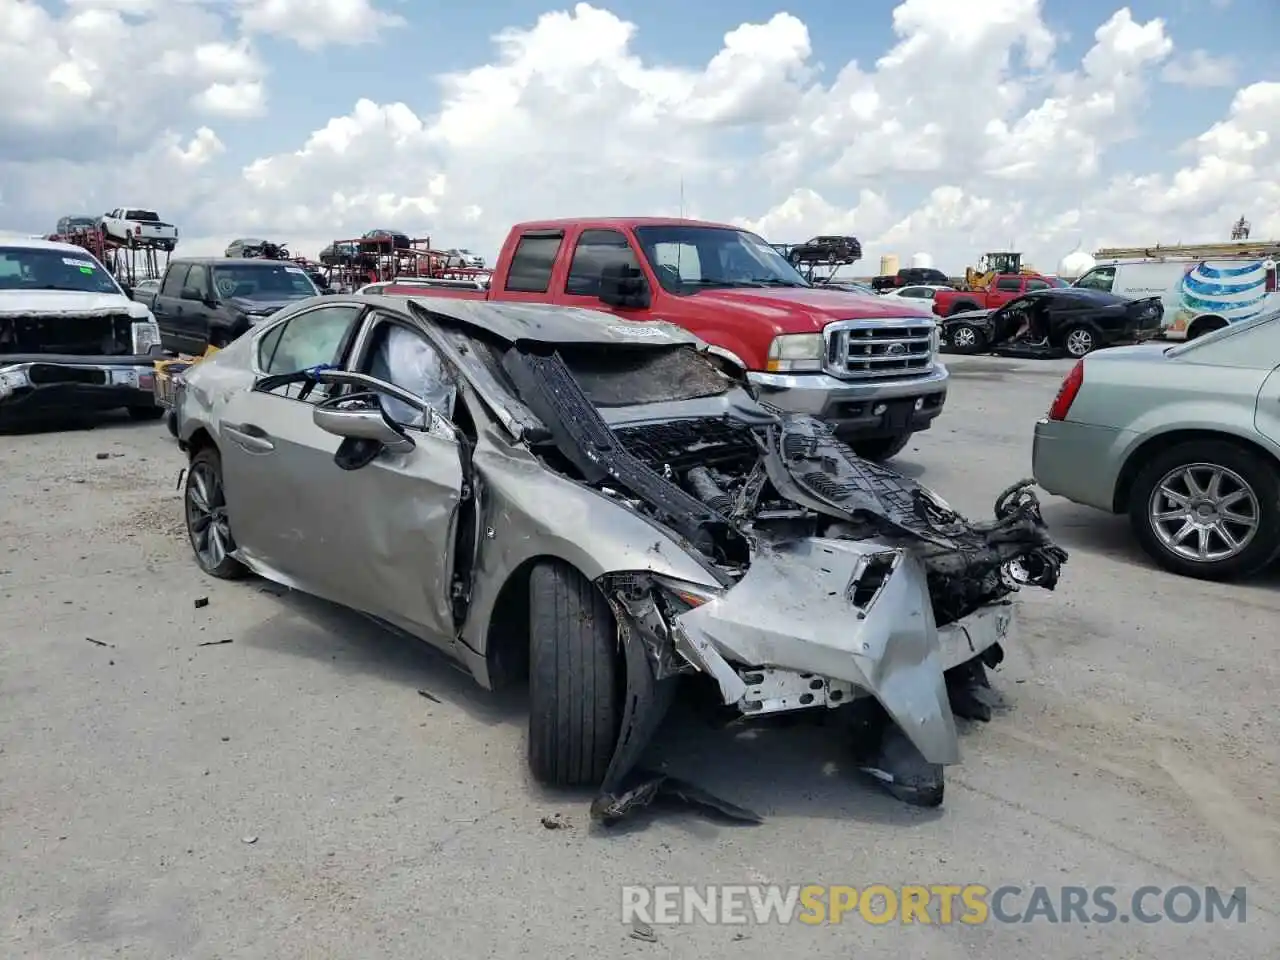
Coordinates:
(861, 406)
(1078, 461)
(824, 622)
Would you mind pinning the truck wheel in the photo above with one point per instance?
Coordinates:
(1207, 509)
(575, 678)
(1079, 340)
(966, 338)
(961, 307)
(881, 448)
(144, 414)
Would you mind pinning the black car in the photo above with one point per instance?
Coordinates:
(70, 225)
(209, 301)
(252, 249)
(1054, 321)
(832, 250)
(911, 277)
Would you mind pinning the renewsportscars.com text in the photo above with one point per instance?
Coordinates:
(943, 904)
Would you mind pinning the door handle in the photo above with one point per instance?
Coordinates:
(251, 438)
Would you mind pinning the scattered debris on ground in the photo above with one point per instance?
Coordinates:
(214, 643)
(99, 643)
(642, 931)
(201, 602)
(555, 822)
(430, 696)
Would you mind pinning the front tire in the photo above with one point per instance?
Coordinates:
(1207, 509)
(575, 678)
(966, 338)
(208, 526)
(880, 449)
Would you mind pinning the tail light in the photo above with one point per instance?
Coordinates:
(1071, 385)
(1271, 276)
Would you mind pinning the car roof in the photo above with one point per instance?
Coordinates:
(618, 223)
(1084, 294)
(538, 322)
(39, 243)
(232, 261)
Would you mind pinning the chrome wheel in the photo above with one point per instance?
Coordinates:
(207, 516)
(1204, 513)
(964, 337)
(1079, 342)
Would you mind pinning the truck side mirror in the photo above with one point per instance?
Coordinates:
(622, 285)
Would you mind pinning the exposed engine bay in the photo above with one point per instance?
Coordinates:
(839, 577)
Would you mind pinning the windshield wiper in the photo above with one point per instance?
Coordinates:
(776, 282)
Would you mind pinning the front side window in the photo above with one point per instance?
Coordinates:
(1038, 285)
(1009, 284)
(266, 281)
(595, 250)
(43, 268)
(1101, 278)
(405, 358)
(687, 259)
(198, 279)
(310, 339)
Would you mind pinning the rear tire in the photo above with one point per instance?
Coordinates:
(575, 678)
(1240, 470)
(880, 449)
(1079, 341)
(204, 500)
(144, 414)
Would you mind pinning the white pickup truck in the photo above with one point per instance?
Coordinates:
(139, 228)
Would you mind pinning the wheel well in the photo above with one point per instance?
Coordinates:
(1202, 325)
(1162, 442)
(198, 441)
(507, 638)
(962, 305)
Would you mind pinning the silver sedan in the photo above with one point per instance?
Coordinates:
(1184, 439)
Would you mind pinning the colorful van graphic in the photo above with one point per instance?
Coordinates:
(1233, 290)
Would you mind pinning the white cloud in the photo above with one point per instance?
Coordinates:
(1200, 69)
(313, 24)
(967, 134)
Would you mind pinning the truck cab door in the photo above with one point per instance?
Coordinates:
(593, 251)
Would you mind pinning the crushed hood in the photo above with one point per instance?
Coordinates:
(68, 303)
(970, 315)
(802, 309)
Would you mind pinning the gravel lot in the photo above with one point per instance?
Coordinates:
(1141, 748)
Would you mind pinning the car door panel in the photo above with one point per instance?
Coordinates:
(270, 448)
(395, 533)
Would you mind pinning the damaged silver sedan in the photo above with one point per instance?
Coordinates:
(597, 508)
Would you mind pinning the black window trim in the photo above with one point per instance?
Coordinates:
(577, 246)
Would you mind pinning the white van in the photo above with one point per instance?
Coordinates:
(1202, 288)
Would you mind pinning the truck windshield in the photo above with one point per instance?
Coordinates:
(265, 282)
(28, 268)
(687, 259)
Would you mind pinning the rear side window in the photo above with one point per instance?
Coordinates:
(1038, 285)
(531, 265)
(174, 280)
(596, 250)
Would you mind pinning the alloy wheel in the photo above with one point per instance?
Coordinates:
(207, 516)
(1079, 342)
(1204, 513)
(963, 337)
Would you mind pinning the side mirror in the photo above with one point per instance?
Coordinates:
(360, 418)
(622, 285)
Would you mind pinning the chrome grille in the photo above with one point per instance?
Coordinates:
(858, 349)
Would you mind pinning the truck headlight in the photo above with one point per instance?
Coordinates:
(145, 336)
(795, 353)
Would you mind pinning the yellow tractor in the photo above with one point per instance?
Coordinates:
(990, 265)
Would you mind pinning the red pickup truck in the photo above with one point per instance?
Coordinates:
(868, 366)
(1005, 287)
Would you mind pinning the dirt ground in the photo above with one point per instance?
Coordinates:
(290, 794)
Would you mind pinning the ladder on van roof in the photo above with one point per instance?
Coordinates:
(1247, 250)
